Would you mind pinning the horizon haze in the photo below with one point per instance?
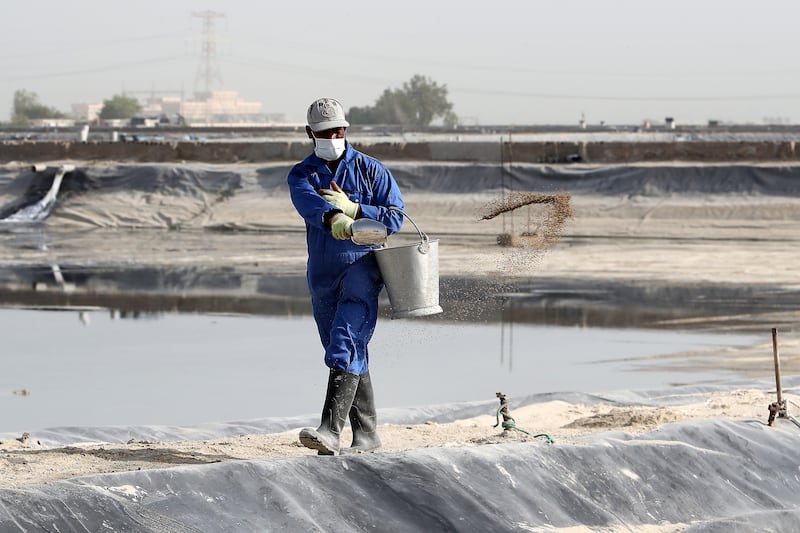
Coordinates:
(516, 63)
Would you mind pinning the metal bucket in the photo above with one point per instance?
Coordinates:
(411, 275)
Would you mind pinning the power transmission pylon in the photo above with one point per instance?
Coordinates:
(208, 71)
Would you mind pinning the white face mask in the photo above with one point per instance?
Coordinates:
(328, 149)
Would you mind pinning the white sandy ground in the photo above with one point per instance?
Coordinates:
(732, 239)
(35, 462)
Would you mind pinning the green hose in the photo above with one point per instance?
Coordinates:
(510, 423)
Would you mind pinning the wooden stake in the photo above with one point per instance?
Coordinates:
(777, 365)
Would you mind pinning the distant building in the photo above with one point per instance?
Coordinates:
(155, 106)
(52, 122)
(144, 122)
(170, 105)
(86, 112)
(213, 108)
(115, 122)
(216, 108)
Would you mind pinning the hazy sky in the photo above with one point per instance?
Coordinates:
(503, 62)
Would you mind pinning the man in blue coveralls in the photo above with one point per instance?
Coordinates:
(330, 189)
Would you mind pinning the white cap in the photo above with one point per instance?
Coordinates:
(326, 113)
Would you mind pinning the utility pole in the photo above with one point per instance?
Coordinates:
(208, 70)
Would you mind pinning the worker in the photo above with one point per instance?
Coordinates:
(331, 188)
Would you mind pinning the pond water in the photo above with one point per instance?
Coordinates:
(100, 368)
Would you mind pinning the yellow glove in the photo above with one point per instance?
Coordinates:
(341, 227)
(337, 197)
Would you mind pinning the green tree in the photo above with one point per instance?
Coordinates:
(120, 106)
(417, 104)
(27, 107)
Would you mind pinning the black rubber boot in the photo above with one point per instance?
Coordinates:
(341, 390)
(363, 419)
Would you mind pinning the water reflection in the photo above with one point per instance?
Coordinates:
(148, 291)
(507, 331)
(26, 236)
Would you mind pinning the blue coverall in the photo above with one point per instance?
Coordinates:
(343, 277)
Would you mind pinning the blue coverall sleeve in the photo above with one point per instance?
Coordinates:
(309, 204)
(386, 195)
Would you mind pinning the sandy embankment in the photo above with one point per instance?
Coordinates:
(35, 462)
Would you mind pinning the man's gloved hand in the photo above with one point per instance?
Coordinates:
(337, 197)
(341, 226)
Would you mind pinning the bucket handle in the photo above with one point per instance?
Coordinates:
(423, 246)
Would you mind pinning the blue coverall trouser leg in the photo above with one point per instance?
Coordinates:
(346, 311)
